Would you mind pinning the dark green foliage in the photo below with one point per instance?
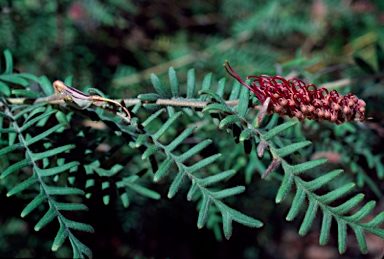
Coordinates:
(149, 139)
(195, 132)
(25, 118)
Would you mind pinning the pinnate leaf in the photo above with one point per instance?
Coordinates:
(176, 184)
(159, 87)
(163, 169)
(325, 227)
(309, 217)
(228, 192)
(47, 218)
(276, 130)
(207, 181)
(22, 186)
(204, 211)
(303, 167)
(16, 166)
(61, 235)
(37, 200)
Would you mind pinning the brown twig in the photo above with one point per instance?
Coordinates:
(59, 99)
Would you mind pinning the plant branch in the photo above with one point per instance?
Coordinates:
(57, 99)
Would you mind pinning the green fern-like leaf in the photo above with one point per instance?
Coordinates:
(169, 150)
(20, 121)
(339, 213)
(209, 197)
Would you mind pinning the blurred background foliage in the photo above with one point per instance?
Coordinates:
(114, 45)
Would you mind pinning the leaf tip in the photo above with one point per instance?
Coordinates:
(288, 218)
(302, 233)
(228, 235)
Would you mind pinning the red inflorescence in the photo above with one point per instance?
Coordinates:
(294, 98)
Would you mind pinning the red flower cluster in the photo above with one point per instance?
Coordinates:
(294, 98)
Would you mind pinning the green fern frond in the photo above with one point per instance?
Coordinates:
(22, 120)
(166, 152)
(339, 213)
(270, 134)
(154, 146)
(291, 176)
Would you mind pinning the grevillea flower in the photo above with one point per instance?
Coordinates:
(294, 98)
